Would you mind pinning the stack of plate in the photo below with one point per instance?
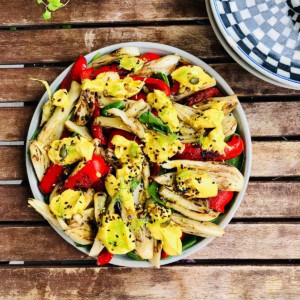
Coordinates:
(263, 36)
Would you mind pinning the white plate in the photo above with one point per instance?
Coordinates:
(261, 43)
(123, 260)
(227, 47)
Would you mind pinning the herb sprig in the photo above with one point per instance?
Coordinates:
(51, 6)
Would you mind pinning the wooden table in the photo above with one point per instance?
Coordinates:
(259, 258)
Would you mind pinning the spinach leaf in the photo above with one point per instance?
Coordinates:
(154, 122)
(163, 77)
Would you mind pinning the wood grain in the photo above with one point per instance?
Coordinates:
(14, 122)
(242, 82)
(270, 159)
(12, 163)
(177, 282)
(276, 159)
(241, 241)
(24, 13)
(262, 200)
(69, 43)
(16, 86)
(273, 119)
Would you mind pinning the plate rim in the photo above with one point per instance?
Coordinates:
(122, 260)
(294, 84)
(232, 53)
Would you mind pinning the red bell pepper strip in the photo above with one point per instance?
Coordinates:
(139, 96)
(154, 84)
(51, 178)
(175, 87)
(75, 73)
(104, 258)
(104, 69)
(127, 135)
(88, 174)
(88, 74)
(65, 134)
(234, 148)
(149, 56)
(110, 68)
(219, 202)
(202, 96)
(97, 131)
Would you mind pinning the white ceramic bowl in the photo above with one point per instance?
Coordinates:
(123, 260)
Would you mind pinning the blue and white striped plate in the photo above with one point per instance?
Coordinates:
(265, 34)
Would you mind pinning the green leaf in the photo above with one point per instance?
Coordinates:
(47, 199)
(134, 256)
(134, 150)
(65, 26)
(117, 104)
(13, 28)
(47, 15)
(134, 183)
(236, 161)
(39, 1)
(86, 247)
(154, 122)
(36, 133)
(97, 55)
(163, 77)
(188, 241)
(153, 191)
(54, 7)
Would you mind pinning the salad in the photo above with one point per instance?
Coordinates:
(137, 154)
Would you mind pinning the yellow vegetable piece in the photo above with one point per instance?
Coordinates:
(166, 110)
(163, 229)
(68, 204)
(61, 98)
(192, 77)
(70, 150)
(130, 156)
(131, 63)
(116, 235)
(118, 188)
(196, 185)
(215, 140)
(161, 147)
(210, 118)
(109, 84)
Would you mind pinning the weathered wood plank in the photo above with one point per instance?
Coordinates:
(241, 241)
(176, 282)
(242, 82)
(69, 43)
(14, 122)
(24, 13)
(12, 163)
(262, 200)
(271, 119)
(270, 159)
(276, 159)
(27, 90)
